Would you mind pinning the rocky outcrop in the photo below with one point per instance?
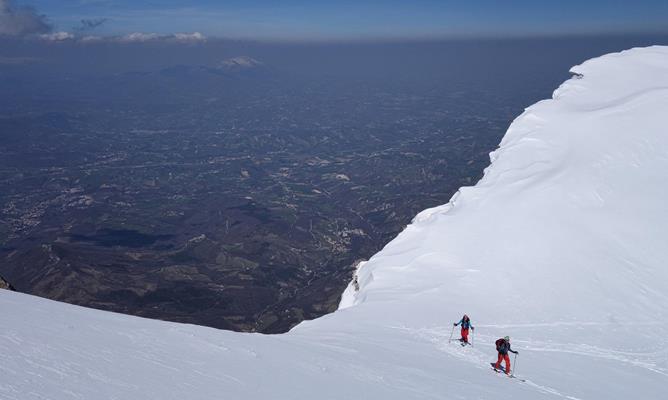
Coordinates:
(6, 285)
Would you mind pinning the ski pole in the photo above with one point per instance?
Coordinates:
(451, 333)
(472, 336)
(512, 373)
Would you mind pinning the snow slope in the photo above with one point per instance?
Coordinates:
(561, 245)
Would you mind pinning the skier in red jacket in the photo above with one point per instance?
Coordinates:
(503, 347)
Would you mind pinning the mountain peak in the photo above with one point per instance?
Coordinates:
(240, 62)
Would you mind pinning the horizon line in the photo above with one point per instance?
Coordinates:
(156, 37)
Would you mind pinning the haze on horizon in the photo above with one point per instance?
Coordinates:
(322, 20)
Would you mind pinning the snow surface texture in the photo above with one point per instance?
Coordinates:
(562, 246)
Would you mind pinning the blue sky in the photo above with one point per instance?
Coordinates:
(344, 19)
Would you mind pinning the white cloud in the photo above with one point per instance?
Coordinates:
(91, 39)
(136, 37)
(140, 37)
(189, 37)
(57, 36)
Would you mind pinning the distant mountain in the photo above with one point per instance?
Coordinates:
(231, 67)
(240, 63)
(185, 81)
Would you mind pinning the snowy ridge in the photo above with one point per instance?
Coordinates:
(546, 159)
(561, 245)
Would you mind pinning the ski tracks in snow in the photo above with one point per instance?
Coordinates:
(593, 351)
(473, 355)
(641, 359)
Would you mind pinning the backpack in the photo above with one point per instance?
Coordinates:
(500, 344)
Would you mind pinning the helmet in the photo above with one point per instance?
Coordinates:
(507, 338)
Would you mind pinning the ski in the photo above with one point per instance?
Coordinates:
(502, 369)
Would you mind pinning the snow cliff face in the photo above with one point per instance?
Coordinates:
(561, 245)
